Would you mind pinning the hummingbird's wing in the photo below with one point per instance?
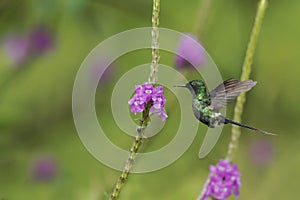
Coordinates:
(227, 91)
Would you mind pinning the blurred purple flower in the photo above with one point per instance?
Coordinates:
(145, 93)
(40, 40)
(16, 48)
(44, 169)
(102, 70)
(189, 52)
(224, 179)
(261, 152)
(21, 47)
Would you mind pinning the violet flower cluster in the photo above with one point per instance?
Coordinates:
(146, 93)
(224, 180)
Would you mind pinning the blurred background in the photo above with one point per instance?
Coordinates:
(43, 44)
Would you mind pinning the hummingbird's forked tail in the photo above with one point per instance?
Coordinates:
(228, 121)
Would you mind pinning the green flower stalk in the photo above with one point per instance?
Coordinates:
(144, 101)
(246, 70)
(202, 16)
(155, 42)
(132, 153)
(208, 190)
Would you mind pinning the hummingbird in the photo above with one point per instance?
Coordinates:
(207, 105)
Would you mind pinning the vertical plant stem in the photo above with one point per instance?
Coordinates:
(202, 16)
(132, 153)
(128, 165)
(155, 42)
(238, 110)
(246, 70)
(200, 197)
(145, 116)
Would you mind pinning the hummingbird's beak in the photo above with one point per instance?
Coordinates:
(179, 86)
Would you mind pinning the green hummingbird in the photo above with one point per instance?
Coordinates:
(207, 105)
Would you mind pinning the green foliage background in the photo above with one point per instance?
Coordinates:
(35, 101)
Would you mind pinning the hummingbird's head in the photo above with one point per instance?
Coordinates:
(195, 86)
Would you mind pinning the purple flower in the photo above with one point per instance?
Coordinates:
(145, 93)
(137, 104)
(189, 52)
(261, 152)
(161, 113)
(158, 98)
(40, 39)
(44, 169)
(16, 48)
(224, 180)
(21, 47)
(102, 69)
